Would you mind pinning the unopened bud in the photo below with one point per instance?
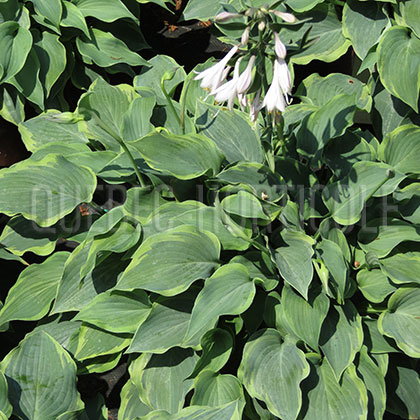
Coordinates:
(245, 36)
(250, 12)
(279, 47)
(287, 17)
(225, 16)
(261, 26)
(65, 117)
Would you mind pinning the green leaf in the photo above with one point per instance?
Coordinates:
(115, 311)
(105, 10)
(231, 132)
(302, 5)
(185, 157)
(266, 363)
(45, 191)
(166, 325)
(374, 285)
(345, 198)
(16, 42)
(52, 57)
(152, 72)
(134, 127)
(363, 24)
(44, 129)
(217, 346)
(305, 317)
(73, 18)
(30, 298)
(93, 342)
(327, 399)
(5, 406)
(42, 379)
(341, 337)
(401, 149)
(169, 262)
(229, 291)
(11, 104)
(161, 379)
(398, 45)
(381, 236)
(328, 122)
(131, 405)
(410, 14)
(337, 266)
(27, 81)
(105, 50)
(294, 260)
(328, 41)
(375, 341)
(402, 268)
(213, 389)
(201, 10)
(401, 320)
(245, 205)
(374, 380)
(403, 386)
(50, 10)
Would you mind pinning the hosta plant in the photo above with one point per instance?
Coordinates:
(257, 260)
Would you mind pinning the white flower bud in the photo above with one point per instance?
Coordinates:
(287, 17)
(225, 16)
(245, 36)
(279, 47)
(261, 26)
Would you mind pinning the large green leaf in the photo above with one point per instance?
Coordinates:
(345, 198)
(134, 127)
(166, 324)
(302, 5)
(30, 298)
(217, 345)
(105, 10)
(374, 380)
(272, 370)
(15, 42)
(73, 18)
(410, 13)
(201, 10)
(42, 379)
(402, 267)
(52, 58)
(305, 317)
(381, 236)
(363, 23)
(328, 42)
(115, 311)
(401, 320)
(105, 50)
(401, 149)
(328, 122)
(169, 262)
(214, 389)
(374, 285)
(131, 405)
(5, 406)
(229, 291)
(49, 10)
(151, 74)
(231, 132)
(398, 66)
(162, 378)
(327, 399)
(245, 205)
(45, 191)
(294, 260)
(184, 157)
(44, 129)
(341, 337)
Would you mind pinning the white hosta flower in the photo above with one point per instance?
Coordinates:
(255, 106)
(212, 77)
(287, 17)
(242, 101)
(245, 36)
(225, 16)
(283, 77)
(245, 79)
(274, 100)
(228, 91)
(279, 47)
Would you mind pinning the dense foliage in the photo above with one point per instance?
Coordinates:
(246, 266)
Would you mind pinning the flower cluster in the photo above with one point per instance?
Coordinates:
(277, 94)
